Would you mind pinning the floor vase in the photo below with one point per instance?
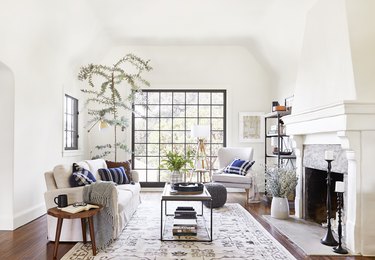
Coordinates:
(279, 208)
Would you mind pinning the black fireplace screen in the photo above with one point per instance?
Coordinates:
(316, 194)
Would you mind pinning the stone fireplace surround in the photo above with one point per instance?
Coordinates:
(351, 125)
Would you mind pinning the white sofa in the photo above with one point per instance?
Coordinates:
(57, 181)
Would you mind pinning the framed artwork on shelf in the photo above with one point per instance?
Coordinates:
(251, 127)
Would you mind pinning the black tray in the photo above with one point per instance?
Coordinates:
(282, 153)
(187, 187)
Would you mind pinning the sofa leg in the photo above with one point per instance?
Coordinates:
(247, 197)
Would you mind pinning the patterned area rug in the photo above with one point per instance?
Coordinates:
(236, 235)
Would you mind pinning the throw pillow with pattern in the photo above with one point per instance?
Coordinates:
(116, 175)
(238, 166)
(126, 165)
(81, 177)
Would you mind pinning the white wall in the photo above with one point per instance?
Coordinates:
(7, 146)
(337, 56)
(40, 48)
(325, 72)
(206, 67)
(361, 22)
(278, 45)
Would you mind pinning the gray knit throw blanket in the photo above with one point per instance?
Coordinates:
(105, 221)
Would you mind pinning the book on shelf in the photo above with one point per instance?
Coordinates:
(185, 208)
(184, 234)
(75, 209)
(184, 231)
(185, 214)
(185, 222)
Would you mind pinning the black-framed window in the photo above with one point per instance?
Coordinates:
(165, 126)
(70, 123)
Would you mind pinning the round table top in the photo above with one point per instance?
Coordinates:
(58, 213)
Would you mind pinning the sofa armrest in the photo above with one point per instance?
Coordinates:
(218, 171)
(135, 175)
(250, 173)
(50, 181)
(74, 195)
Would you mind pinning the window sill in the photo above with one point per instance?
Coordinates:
(72, 153)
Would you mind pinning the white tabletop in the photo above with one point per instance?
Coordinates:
(205, 195)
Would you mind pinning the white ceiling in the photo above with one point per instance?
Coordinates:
(272, 30)
(195, 21)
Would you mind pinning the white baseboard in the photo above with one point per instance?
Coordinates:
(28, 215)
(6, 223)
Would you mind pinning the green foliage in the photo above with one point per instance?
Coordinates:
(176, 161)
(281, 181)
(105, 94)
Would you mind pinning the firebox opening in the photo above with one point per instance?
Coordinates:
(316, 194)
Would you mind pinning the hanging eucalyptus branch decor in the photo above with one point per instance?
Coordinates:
(106, 95)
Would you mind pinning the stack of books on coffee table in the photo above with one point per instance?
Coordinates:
(185, 222)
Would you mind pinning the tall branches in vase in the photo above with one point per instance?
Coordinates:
(107, 96)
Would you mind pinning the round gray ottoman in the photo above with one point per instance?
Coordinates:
(218, 193)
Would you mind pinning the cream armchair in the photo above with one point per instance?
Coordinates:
(225, 156)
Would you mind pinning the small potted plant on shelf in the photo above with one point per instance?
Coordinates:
(281, 182)
(176, 163)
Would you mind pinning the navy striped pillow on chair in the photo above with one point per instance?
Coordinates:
(238, 166)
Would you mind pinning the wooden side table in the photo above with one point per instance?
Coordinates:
(60, 215)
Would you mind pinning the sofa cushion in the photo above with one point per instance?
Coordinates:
(231, 178)
(95, 165)
(62, 173)
(126, 165)
(133, 188)
(124, 199)
(238, 166)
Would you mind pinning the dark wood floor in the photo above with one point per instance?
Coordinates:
(30, 241)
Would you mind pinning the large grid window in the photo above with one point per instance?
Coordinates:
(70, 123)
(165, 126)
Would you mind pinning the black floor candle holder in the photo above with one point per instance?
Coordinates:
(328, 239)
(339, 249)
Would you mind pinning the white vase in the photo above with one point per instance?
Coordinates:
(279, 208)
(176, 176)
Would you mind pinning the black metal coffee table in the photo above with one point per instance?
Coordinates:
(167, 196)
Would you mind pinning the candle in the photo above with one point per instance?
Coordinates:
(328, 155)
(340, 186)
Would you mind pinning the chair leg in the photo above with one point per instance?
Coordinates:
(247, 197)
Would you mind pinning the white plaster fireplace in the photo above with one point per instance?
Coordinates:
(352, 126)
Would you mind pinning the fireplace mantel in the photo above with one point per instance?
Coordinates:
(351, 125)
(341, 116)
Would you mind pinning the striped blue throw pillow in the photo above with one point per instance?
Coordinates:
(105, 174)
(81, 177)
(116, 175)
(238, 166)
